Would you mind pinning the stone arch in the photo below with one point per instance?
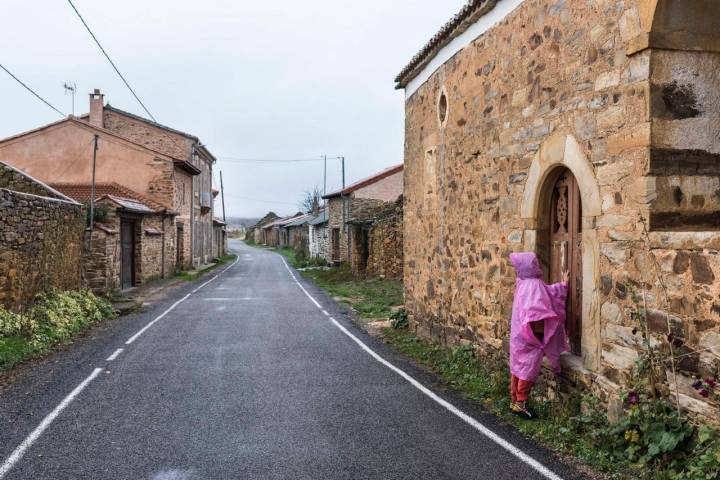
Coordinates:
(689, 25)
(555, 153)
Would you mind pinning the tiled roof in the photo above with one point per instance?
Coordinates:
(366, 181)
(473, 10)
(320, 219)
(122, 196)
(301, 220)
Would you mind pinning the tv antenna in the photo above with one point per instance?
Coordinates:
(72, 88)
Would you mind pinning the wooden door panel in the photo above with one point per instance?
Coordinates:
(566, 250)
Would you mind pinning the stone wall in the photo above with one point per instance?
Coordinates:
(385, 251)
(335, 208)
(40, 240)
(554, 85)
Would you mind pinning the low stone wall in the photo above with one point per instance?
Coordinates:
(385, 245)
(40, 245)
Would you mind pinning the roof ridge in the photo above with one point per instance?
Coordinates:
(467, 15)
(363, 182)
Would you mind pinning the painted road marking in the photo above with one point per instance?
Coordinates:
(18, 453)
(522, 456)
(114, 355)
(172, 307)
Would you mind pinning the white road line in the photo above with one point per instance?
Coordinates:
(18, 453)
(326, 313)
(114, 355)
(172, 307)
(522, 456)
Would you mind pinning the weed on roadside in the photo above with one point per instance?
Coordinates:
(650, 440)
(53, 318)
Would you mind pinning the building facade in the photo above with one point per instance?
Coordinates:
(63, 152)
(588, 133)
(350, 210)
(195, 219)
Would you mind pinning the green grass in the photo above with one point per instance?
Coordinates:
(372, 298)
(194, 275)
(54, 317)
(573, 426)
(14, 350)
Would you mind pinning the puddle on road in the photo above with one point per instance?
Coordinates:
(175, 475)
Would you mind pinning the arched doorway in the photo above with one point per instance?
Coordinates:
(564, 247)
(559, 155)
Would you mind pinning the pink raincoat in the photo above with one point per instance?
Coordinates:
(534, 300)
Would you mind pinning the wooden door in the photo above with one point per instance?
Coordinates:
(127, 257)
(180, 248)
(566, 250)
(336, 244)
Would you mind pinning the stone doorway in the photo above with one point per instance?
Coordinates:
(127, 254)
(565, 249)
(559, 155)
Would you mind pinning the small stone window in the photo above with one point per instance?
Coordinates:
(443, 108)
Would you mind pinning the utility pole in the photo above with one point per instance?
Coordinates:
(343, 172)
(92, 187)
(324, 177)
(222, 195)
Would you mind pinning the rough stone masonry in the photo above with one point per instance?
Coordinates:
(624, 95)
(40, 239)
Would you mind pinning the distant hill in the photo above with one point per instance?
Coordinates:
(241, 221)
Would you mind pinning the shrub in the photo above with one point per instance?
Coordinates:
(399, 319)
(54, 317)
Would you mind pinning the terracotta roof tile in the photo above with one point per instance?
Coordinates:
(473, 10)
(366, 181)
(124, 196)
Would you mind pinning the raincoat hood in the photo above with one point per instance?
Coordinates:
(535, 301)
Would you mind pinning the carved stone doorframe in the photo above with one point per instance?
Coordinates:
(560, 151)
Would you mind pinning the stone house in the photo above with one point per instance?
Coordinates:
(586, 131)
(298, 233)
(62, 153)
(349, 210)
(219, 238)
(275, 234)
(195, 219)
(41, 233)
(131, 242)
(385, 243)
(319, 237)
(256, 233)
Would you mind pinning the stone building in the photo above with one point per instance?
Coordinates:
(319, 237)
(586, 131)
(219, 238)
(195, 219)
(62, 153)
(350, 208)
(132, 240)
(385, 243)
(41, 234)
(256, 233)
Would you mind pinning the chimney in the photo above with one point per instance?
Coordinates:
(96, 109)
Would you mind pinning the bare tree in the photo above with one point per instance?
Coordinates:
(311, 200)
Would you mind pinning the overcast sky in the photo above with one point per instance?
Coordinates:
(281, 79)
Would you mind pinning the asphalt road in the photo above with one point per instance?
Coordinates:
(247, 379)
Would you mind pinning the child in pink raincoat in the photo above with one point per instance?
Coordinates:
(537, 329)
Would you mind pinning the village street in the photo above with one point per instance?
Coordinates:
(246, 378)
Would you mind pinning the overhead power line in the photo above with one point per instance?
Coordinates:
(111, 62)
(269, 160)
(258, 200)
(31, 90)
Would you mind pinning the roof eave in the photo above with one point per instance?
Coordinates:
(187, 167)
